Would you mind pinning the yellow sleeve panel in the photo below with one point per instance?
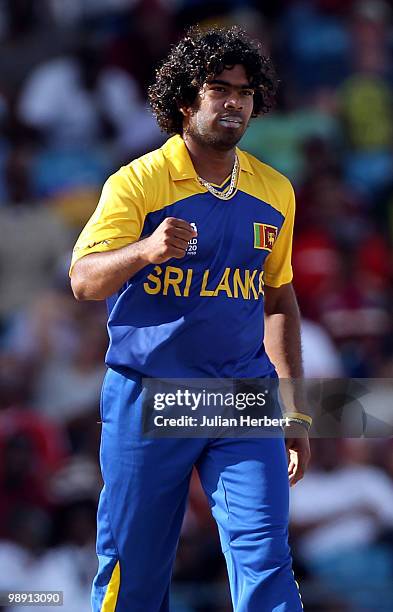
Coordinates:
(278, 266)
(118, 218)
(272, 187)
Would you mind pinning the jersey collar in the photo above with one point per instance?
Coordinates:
(180, 164)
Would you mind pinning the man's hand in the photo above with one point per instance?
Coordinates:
(298, 451)
(99, 275)
(170, 239)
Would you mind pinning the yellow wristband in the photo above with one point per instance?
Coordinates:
(299, 416)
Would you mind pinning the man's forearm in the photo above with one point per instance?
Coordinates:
(99, 275)
(283, 344)
(282, 332)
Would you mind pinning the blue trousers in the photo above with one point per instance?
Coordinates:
(143, 501)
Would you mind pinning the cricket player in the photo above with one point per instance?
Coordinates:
(191, 247)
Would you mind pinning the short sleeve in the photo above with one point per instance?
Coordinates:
(278, 266)
(118, 219)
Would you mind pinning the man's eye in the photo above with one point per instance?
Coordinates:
(217, 88)
(248, 92)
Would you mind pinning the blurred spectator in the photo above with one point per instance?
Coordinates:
(18, 17)
(27, 536)
(33, 239)
(71, 564)
(338, 513)
(359, 95)
(70, 174)
(317, 44)
(76, 205)
(77, 100)
(316, 262)
(74, 11)
(78, 479)
(22, 483)
(38, 436)
(326, 203)
(278, 138)
(68, 343)
(69, 386)
(321, 359)
(46, 327)
(140, 31)
(31, 449)
(356, 314)
(16, 380)
(366, 98)
(370, 21)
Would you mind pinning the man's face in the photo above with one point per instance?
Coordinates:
(220, 115)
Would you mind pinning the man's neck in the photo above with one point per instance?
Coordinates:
(210, 164)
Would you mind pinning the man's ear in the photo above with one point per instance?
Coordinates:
(185, 111)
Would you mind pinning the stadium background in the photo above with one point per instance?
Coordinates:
(73, 77)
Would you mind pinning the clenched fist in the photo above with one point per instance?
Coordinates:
(170, 239)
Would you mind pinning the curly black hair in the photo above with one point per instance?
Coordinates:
(199, 56)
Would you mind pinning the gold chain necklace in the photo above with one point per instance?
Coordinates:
(232, 186)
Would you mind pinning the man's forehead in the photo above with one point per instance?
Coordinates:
(233, 75)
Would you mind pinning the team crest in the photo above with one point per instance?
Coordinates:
(264, 236)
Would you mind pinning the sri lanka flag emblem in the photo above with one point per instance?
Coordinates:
(264, 236)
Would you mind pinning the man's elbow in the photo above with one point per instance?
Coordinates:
(82, 289)
(78, 288)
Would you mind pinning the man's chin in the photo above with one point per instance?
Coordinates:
(221, 139)
(227, 141)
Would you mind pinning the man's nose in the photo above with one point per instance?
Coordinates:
(233, 101)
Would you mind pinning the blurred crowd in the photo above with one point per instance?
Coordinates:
(73, 79)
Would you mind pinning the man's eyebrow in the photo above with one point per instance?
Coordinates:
(228, 84)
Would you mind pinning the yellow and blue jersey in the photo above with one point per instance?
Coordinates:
(201, 315)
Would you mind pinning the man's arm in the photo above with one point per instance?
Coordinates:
(282, 330)
(96, 276)
(283, 345)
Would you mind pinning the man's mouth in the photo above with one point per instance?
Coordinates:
(231, 121)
